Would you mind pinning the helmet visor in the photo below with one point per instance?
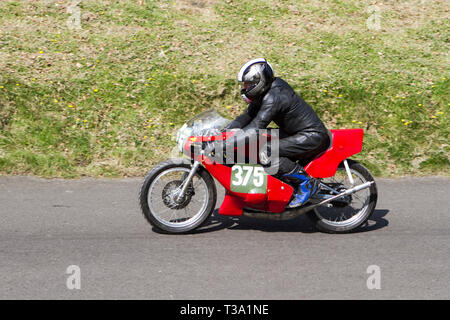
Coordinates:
(246, 85)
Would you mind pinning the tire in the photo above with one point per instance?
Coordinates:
(187, 225)
(357, 220)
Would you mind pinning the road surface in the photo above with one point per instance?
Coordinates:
(47, 225)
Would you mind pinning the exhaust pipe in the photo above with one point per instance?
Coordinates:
(293, 213)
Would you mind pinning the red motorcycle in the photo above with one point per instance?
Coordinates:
(178, 195)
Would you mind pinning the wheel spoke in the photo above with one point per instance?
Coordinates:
(337, 214)
(164, 205)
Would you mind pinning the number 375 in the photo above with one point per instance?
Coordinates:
(244, 174)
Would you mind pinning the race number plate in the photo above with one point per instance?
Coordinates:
(247, 178)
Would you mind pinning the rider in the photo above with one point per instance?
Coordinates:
(302, 134)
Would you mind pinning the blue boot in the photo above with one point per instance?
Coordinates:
(306, 186)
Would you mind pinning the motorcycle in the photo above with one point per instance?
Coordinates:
(179, 195)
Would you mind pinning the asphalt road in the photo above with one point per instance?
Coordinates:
(48, 225)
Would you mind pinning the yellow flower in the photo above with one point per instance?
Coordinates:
(41, 52)
(403, 97)
(325, 90)
(95, 90)
(149, 127)
(403, 120)
(433, 117)
(359, 122)
(17, 84)
(440, 112)
(55, 100)
(228, 107)
(340, 96)
(145, 137)
(84, 120)
(70, 106)
(419, 104)
(353, 121)
(1, 87)
(171, 123)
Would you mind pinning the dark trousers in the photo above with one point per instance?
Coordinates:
(301, 147)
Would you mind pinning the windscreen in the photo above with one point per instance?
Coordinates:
(208, 123)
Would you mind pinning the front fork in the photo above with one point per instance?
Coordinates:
(188, 180)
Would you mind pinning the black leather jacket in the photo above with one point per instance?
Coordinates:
(283, 106)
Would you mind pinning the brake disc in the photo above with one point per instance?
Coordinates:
(170, 194)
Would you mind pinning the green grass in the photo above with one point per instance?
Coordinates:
(106, 99)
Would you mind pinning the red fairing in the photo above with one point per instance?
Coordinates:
(278, 195)
(231, 206)
(274, 200)
(345, 143)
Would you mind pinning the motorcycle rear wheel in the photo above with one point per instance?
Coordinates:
(339, 217)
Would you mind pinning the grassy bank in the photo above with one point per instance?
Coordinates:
(104, 100)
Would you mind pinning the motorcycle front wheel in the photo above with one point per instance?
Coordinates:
(349, 212)
(160, 202)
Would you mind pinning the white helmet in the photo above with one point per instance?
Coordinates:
(255, 77)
